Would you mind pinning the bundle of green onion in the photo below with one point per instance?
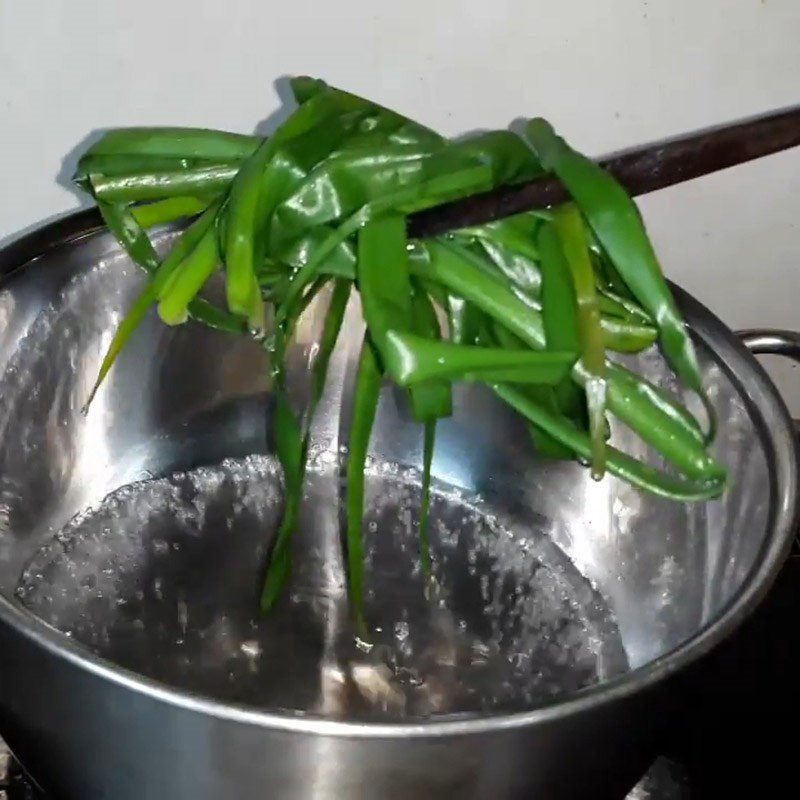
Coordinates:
(534, 303)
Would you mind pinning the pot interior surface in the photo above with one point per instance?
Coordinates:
(141, 528)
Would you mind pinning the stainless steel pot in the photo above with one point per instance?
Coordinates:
(678, 578)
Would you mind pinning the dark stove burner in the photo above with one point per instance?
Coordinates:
(13, 783)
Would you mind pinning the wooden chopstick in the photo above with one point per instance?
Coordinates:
(640, 170)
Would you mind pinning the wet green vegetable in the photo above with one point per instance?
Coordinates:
(536, 305)
(290, 443)
(618, 226)
(571, 237)
(365, 406)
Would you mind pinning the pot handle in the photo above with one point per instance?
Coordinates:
(766, 341)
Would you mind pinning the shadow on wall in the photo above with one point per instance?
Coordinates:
(69, 163)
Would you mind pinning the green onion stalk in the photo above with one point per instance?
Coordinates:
(535, 305)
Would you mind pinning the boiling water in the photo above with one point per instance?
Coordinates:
(163, 578)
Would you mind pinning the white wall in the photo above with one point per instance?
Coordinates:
(608, 73)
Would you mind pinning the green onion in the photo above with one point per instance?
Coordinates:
(365, 405)
(534, 303)
(569, 229)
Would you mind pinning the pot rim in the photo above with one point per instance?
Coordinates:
(783, 457)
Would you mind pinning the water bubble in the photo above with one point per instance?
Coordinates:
(363, 645)
(251, 648)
